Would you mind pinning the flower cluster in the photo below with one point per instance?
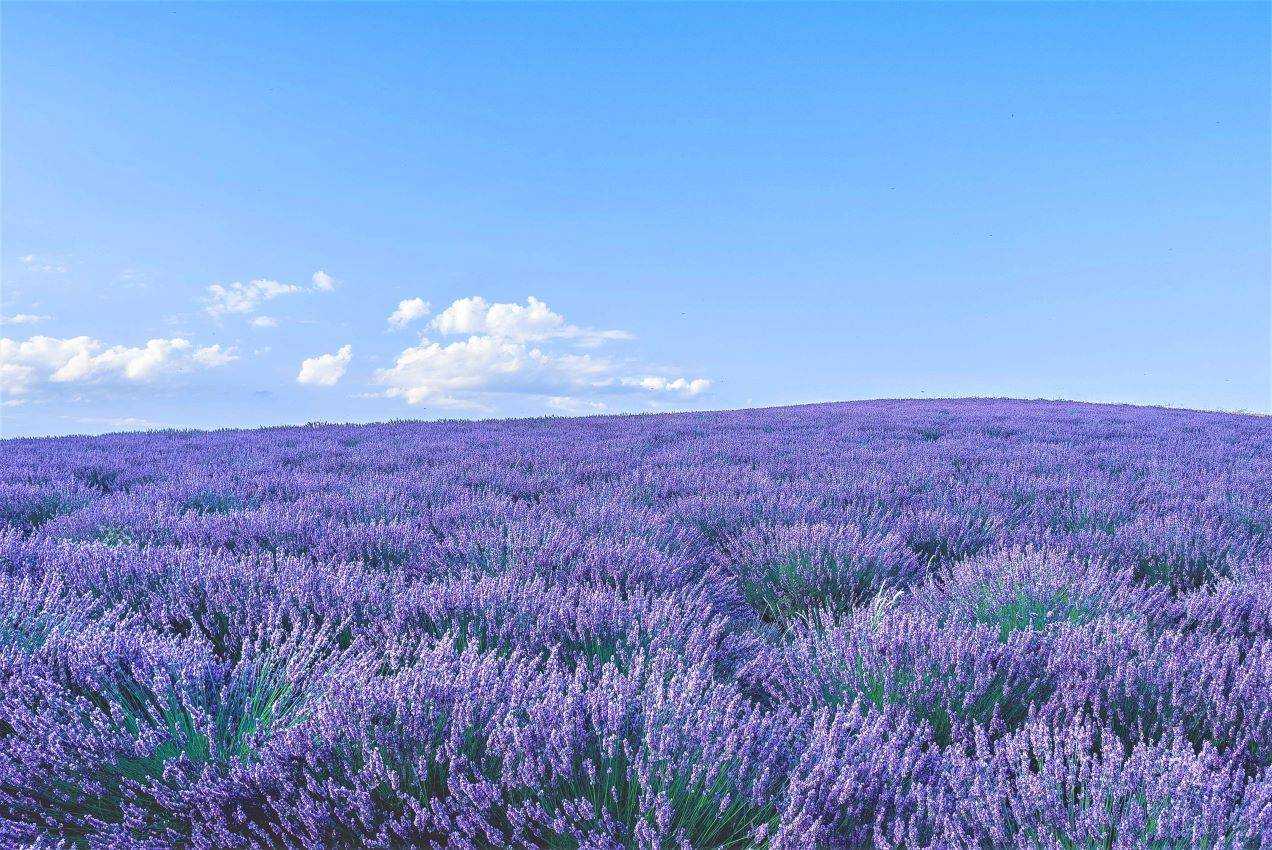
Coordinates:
(969, 624)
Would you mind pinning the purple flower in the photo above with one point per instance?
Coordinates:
(959, 624)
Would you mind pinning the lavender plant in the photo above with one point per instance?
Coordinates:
(965, 624)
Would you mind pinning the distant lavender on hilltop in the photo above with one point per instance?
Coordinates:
(969, 624)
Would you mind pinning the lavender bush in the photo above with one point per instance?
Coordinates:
(971, 624)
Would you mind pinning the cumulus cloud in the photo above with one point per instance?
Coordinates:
(444, 374)
(533, 321)
(408, 310)
(525, 349)
(264, 322)
(325, 369)
(322, 281)
(23, 319)
(41, 360)
(213, 356)
(679, 386)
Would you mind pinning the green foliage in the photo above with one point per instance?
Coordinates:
(113, 535)
(1026, 611)
(160, 728)
(208, 502)
(1183, 572)
(706, 811)
(797, 591)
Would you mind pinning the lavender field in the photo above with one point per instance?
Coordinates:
(972, 624)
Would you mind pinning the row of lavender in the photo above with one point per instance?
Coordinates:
(889, 624)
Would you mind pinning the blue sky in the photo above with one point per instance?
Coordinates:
(624, 208)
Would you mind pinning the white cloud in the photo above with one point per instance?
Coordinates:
(23, 319)
(680, 386)
(41, 360)
(44, 265)
(533, 321)
(566, 404)
(243, 298)
(264, 322)
(118, 423)
(325, 369)
(213, 356)
(135, 364)
(132, 278)
(408, 310)
(517, 349)
(433, 372)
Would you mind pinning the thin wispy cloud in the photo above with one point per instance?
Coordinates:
(244, 299)
(23, 319)
(118, 423)
(576, 406)
(44, 264)
(135, 278)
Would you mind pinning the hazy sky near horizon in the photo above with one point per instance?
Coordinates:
(253, 214)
